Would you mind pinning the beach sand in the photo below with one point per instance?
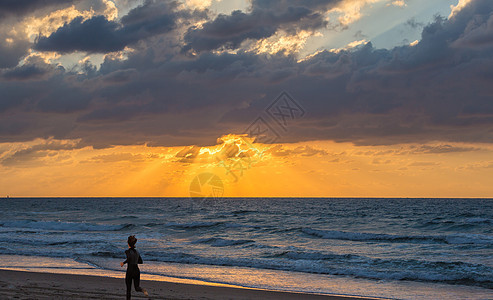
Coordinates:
(33, 285)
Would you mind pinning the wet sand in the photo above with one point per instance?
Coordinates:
(33, 285)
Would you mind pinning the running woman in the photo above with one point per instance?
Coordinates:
(133, 272)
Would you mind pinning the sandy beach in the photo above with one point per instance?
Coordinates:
(33, 285)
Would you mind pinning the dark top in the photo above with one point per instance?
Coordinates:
(133, 257)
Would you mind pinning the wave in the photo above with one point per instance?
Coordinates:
(347, 265)
(478, 220)
(379, 237)
(480, 239)
(110, 254)
(63, 226)
(457, 224)
(220, 242)
(29, 241)
(435, 222)
(238, 225)
(193, 225)
(311, 255)
(242, 211)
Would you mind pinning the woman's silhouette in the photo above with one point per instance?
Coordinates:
(133, 272)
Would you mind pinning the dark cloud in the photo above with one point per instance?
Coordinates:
(93, 35)
(19, 7)
(98, 34)
(437, 90)
(478, 33)
(13, 47)
(263, 20)
(120, 76)
(408, 93)
(11, 54)
(25, 72)
(64, 100)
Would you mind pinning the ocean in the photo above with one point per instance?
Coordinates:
(389, 248)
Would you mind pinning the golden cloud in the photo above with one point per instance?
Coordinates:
(35, 26)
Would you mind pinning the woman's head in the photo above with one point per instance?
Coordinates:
(131, 241)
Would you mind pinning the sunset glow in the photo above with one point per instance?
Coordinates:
(309, 169)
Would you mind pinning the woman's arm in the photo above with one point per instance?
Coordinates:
(126, 260)
(140, 260)
(122, 263)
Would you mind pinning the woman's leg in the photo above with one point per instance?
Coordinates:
(137, 283)
(128, 282)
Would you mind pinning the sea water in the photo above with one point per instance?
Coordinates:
(390, 248)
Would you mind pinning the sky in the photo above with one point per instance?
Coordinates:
(254, 98)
